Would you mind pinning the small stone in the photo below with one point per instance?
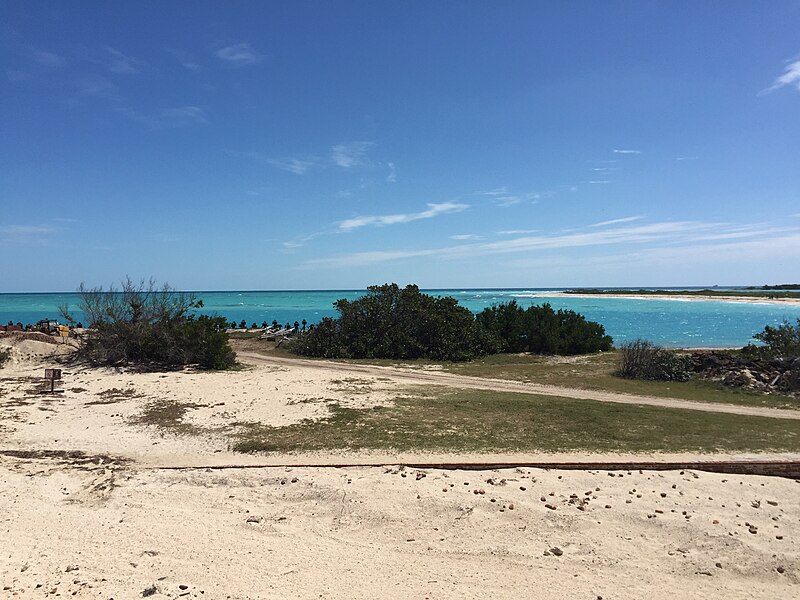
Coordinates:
(608, 506)
(663, 495)
(753, 529)
(253, 519)
(149, 591)
(718, 565)
(183, 586)
(550, 506)
(294, 479)
(715, 522)
(780, 569)
(71, 568)
(556, 551)
(511, 506)
(523, 488)
(778, 537)
(772, 503)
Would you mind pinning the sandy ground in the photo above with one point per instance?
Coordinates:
(139, 514)
(676, 297)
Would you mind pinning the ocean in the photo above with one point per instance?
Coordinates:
(670, 323)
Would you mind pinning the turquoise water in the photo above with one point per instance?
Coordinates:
(671, 323)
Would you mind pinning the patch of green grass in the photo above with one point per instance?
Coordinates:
(442, 420)
(595, 372)
(169, 414)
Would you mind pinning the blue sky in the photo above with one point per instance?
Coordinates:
(319, 145)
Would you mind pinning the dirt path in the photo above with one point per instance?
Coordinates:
(500, 385)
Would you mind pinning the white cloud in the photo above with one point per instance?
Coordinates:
(434, 210)
(668, 234)
(627, 152)
(517, 231)
(298, 166)
(185, 59)
(350, 154)
(615, 221)
(502, 196)
(240, 55)
(48, 59)
(392, 176)
(790, 77)
(466, 237)
(24, 234)
(598, 181)
(167, 117)
(98, 87)
(121, 63)
(686, 157)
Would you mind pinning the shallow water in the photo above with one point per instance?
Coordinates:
(671, 323)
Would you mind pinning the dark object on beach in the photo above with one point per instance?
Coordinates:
(243, 324)
(263, 324)
(641, 359)
(150, 327)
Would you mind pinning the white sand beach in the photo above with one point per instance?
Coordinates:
(98, 504)
(775, 299)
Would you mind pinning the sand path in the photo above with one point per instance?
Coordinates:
(418, 377)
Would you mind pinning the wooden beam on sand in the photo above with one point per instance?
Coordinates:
(787, 469)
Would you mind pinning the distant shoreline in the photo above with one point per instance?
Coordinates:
(675, 297)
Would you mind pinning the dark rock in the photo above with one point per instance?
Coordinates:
(556, 551)
(149, 591)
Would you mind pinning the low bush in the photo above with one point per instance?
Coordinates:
(779, 342)
(150, 327)
(542, 330)
(641, 359)
(401, 323)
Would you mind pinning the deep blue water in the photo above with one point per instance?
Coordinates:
(671, 323)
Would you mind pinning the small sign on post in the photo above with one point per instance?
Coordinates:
(53, 375)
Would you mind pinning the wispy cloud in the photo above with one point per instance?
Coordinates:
(604, 169)
(49, 59)
(167, 117)
(185, 59)
(516, 231)
(94, 86)
(627, 151)
(686, 157)
(433, 210)
(667, 234)
(350, 154)
(121, 63)
(240, 55)
(598, 181)
(391, 177)
(502, 196)
(298, 166)
(616, 221)
(25, 234)
(791, 76)
(466, 237)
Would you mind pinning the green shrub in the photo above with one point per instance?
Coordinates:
(542, 330)
(641, 359)
(401, 323)
(779, 342)
(151, 327)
